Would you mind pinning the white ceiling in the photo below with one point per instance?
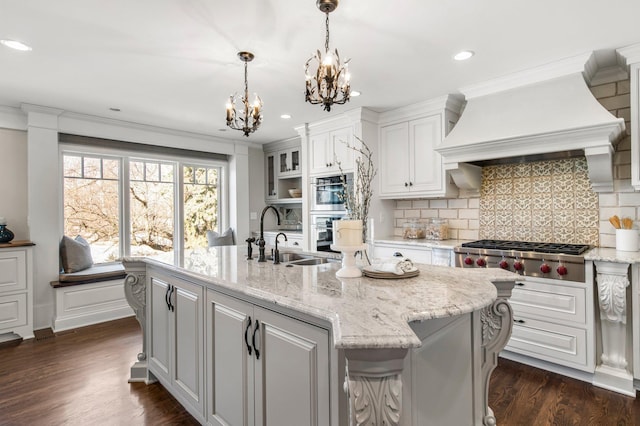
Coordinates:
(172, 63)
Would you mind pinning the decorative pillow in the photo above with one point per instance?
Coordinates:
(75, 254)
(224, 239)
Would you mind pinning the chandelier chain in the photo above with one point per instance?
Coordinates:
(326, 39)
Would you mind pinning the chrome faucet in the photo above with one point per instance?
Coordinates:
(260, 242)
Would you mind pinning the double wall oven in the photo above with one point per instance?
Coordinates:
(326, 206)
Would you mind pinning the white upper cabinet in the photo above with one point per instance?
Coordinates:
(289, 162)
(409, 166)
(327, 149)
(283, 171)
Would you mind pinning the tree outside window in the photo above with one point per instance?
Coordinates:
(93, 204)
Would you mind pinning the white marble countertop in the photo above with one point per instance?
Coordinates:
(364, 312)
(612, 255)
(446, 244)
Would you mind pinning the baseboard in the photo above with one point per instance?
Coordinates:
(70, 322)
(549, 366)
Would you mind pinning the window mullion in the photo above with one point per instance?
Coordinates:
(125, 209)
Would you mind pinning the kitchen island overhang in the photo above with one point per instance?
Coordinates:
(372, 322)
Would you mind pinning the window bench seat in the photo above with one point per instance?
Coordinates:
(90, 296)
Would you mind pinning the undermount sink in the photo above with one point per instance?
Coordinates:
(300, 259)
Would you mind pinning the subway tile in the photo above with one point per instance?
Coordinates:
(468, 234)
(458, 223)
(438, 204)
(623, 86)
(469, 213)
(426, 213)
(398, 213)
(457, 203)
(629, 199)
(412, 213)
(474, 203)
(608, 199)
(615, 102)
(403, 204)
(604, 90)
(448, 213)
(420, 204)
(474, 224)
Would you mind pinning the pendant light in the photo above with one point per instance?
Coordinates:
(249, 116)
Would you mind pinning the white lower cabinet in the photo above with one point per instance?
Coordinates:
(417, 254)
(176, 338)
(16, 293)
(264, 368)
(553, 322)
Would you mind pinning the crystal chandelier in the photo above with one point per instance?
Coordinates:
(250, 116)
(330, 85)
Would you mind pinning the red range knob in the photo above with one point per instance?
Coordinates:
(468, 260)
(562, 270)
(518, 266)
(545, 269)
(481, 262)
(504, 264)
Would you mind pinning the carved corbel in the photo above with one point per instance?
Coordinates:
(497, 323)
(135, 290)
(374, 386)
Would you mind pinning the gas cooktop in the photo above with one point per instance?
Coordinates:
(557, 248)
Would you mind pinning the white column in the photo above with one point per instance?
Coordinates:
(44, 208)
(613, 370)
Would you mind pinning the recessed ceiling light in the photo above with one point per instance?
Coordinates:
(354, 93)
(17, 45)
(464, 55)
(285, 116)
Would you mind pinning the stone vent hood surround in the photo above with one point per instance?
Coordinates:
(551, 116)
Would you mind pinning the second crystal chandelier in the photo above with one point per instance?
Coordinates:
(250, 116)
(330, 85)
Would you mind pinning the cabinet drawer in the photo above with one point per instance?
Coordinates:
(550, 342)
(549, 301)
(13, 311)
(13, 271)
(415, 254)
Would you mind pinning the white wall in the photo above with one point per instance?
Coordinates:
(13, 181)
(256, 186)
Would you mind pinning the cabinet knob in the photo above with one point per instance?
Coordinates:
(410, 183)
(406, 184)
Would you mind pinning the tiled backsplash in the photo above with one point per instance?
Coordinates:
(549, 201)
(545, 203)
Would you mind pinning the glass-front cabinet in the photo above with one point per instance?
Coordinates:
(290, 162)
(283, 170)
(270, 167)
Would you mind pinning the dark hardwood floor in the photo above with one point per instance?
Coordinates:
(80, 378)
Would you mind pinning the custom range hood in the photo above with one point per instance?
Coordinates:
(553, 117)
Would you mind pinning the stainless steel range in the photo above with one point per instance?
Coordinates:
(545, 260)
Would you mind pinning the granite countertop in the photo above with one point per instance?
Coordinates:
(612, 255)
(364, 312)
(446, 244)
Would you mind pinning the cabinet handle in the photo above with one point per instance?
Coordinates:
(519, 321)
(295, 243)
(166, 297)
(520, 284)
(171, 305)
(397, 254)
(246, 331)
(253, 339)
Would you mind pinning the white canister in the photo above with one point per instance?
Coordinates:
(347, 233)
(627, 239)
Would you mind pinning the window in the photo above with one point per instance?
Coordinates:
(128, 205)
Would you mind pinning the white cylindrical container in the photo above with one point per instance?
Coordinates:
(627, 239)
(347, 233)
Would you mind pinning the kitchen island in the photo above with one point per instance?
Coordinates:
(242, 342)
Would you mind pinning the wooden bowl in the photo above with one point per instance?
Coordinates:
(295, 192)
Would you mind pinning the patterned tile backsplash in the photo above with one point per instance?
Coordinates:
(548, 201)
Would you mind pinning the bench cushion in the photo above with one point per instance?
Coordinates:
(112, 271)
